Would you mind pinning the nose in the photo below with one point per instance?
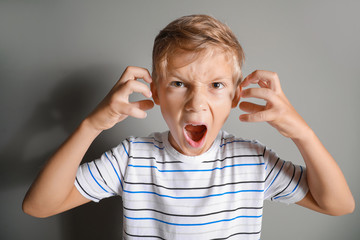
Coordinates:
(196, 102)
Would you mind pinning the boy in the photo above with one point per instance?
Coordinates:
(194, 181)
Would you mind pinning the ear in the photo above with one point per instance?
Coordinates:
(154, 93)
(236, 98)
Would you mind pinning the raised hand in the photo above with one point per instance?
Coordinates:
(115, 107)
(278, 111)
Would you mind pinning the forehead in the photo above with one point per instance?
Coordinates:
(207, 64)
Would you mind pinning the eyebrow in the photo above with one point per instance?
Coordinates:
(212, 80)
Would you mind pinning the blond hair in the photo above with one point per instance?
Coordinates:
(196, 34)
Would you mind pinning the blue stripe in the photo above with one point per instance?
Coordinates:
(195, 224)
(95, 178)
(125, 150)
(235, 141)
(200, 197)
(197, 170)
(161, 148)
(122, 187)
(275, 176)
(295, 186)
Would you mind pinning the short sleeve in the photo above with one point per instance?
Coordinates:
(284, 182)
(103, 177)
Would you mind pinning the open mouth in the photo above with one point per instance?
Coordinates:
(195, 134)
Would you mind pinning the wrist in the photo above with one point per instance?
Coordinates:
(87, 126)
(304, 135)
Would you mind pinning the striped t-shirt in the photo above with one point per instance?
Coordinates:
(167, 195)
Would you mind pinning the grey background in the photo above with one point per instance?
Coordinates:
(59, 58)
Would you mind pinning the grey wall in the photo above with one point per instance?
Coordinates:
(59, 58)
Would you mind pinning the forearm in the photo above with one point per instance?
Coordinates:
(55, 182)
(329, 192)
(326, 181)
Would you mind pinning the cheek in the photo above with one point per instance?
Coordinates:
(222, 101)
(223, 110)
(171, 105)
(173, 99)
(221, 107)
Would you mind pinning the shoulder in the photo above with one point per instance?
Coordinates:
(149, 143)
(233, 143)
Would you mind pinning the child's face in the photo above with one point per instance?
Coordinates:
(195, 98)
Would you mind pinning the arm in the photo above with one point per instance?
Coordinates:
(328, 190)
(53, 191)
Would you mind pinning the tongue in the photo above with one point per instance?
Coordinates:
(195, 132)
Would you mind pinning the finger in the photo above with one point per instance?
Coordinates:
(134, 73)
(251, 107)
(133, 110)
(132, 86)
(264, 79)
(143, 104)
(137, 109)
(262, 116)
(261, 93)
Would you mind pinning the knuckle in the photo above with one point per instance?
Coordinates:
(127, 109)
(131, 110)
(114, 100)
(275, 75)
(257, 71)
(129, 84)
(267, 93)
(250, 91)
(261, 116)
(281, 111)
(147, 71)
(244, 92)
(129, 69)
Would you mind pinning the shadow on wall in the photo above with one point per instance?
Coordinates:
(70, 101)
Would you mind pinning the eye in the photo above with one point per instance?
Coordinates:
(217, 85)
(177, 84)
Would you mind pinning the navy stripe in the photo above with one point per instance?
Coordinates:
(153, 138)
(125, 149)
(275, 177)
(236, 156)
(161, 148)
(197, 170)
(234, 141)
(193, 188)
(199, 215)
(168, 162)
(143, 236)
(301, 173)
(264, 152)
(292, 177)
(117, 161)
(195, 224)
(100, 173)
(95, 179)
(239, 233)
(122, 187)
(209, 161)
(84, 190)
(153, 158)
(272, 169)
(199, 197)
